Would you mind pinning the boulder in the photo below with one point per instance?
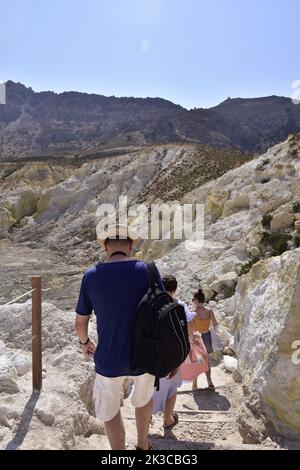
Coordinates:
(45, 416)
(227, 351)
(214, 204)
(282, 220)
(237, 203)
(49, 409)
(8, 376)
(86, 393)
(209, 294)
(21, 363)
(86, 425)
(267, 322)
(6, 414)
(230, 363)
(290, 169)
(225, 283)
(26, 204)
(251, 427)
(234, 234)
(237, 377)
(225, 335)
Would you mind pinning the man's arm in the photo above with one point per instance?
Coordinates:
(82, 327)
(84, 309)
(82, 330)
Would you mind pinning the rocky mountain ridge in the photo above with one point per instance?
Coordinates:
(48, 124)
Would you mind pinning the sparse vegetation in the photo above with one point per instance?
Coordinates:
(261, 166)
(245, 268)
(296, 207)
(266, 220)
(297, 240)
(277, 241)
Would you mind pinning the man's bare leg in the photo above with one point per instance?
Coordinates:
(143, 418)
(115, 432)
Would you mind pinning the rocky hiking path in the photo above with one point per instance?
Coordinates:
(207, 419)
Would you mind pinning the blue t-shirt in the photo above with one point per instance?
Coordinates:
(113, 290)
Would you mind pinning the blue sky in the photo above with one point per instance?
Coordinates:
(192, 52)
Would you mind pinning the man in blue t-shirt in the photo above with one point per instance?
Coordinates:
(113, 291)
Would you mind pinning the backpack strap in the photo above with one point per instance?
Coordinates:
(151, 269)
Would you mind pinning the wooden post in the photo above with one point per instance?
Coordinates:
(36, 333)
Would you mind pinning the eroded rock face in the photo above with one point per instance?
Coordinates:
(267, 322)
(225, 283)
(237, 203)
(215, 203)
(8, 376)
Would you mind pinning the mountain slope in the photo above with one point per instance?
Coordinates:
(47, 123)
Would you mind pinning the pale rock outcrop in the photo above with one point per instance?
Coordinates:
(21, 363)
(225, 283)
(267, 322)
(6, 220)
(8, 376)
(282, 220)
(226, 336)
(230, 363)
(7, 415)
(208, 293)
(235, 204)
(214, 204)
(45, 416)
(252, 425)
(25, 204)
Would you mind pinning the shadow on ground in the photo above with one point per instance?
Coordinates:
(211, 400)
(25, 421)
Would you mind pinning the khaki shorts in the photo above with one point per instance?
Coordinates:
(107, 394)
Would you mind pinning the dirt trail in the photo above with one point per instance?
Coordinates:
(207, 419)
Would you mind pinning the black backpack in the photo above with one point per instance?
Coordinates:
(160, 342)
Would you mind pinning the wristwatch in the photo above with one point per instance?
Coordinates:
(85, 343)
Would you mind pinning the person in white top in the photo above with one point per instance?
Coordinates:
(165, 398)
